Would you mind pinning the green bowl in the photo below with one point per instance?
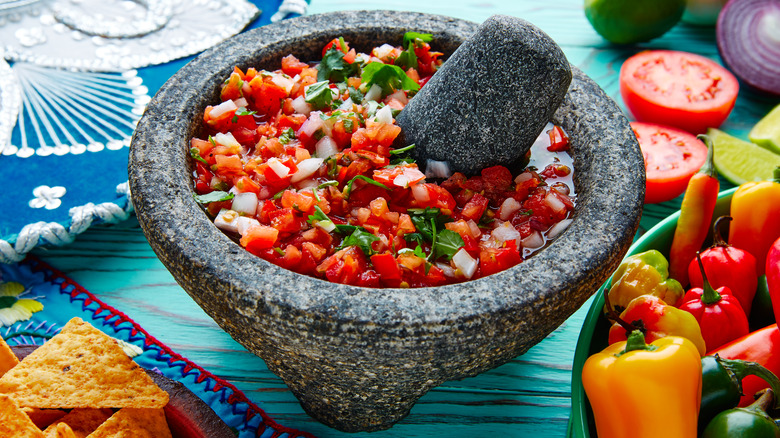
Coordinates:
(593, 337)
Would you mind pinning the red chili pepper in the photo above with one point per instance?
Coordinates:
(695, 217)
(720, 316)
(728, 266)
(773, 276)
(761, 346)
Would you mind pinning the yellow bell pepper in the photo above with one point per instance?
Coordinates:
(630, 382)
(755, 224)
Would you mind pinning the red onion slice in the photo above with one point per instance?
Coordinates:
(748, 34)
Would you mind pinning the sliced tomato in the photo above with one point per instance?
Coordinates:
(671, 158)
(678, 89)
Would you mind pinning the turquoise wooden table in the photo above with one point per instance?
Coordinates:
(529, 396)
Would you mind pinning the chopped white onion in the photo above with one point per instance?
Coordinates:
(446, 269)
(227, 220)
(437, 169)
(279, 169)
(508, 208)
(374, 93)
(326, 225)
(265, 193)
(533, 241)
(465, 263)
(312, 124)
(347, 105)
(384, 114)
(420, 193)
(243, 223)
(558, 228)
(525, 176)
(241, 102)
(326, 147)
(245, 203)
(307, 184)
(222, 108)
(399, 96)
(474, 228)
(306, 168)
(383, 50)
(300, 106)
(505, 232)
(554, 203)
(226, 139)
(283, 81)
(409, 176)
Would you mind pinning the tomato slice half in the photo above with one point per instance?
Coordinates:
(671, 158)
(678, 89)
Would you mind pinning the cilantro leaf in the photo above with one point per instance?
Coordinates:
(287, 136)
(448, 242)
(334, 68)
(355, 95)
(408, 58)
(195, 153)
(319, 95)
(215, 196)
(389, 77)
(348, 187)
(410, 37)
(427, 221)
(360, 238)
(318, 215)
(414, 238)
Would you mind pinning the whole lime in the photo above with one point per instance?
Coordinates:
(633, 21)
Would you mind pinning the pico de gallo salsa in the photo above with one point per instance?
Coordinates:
(298, 165)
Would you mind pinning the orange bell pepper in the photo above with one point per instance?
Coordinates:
(755, 209)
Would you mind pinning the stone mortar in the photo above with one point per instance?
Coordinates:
(359, 358)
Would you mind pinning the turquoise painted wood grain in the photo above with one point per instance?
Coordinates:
(528, 396)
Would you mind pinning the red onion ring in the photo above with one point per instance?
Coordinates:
(748, 33)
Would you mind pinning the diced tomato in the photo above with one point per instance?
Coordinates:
(293, 121)
(229, 165)
(247, 184)
(267, 96)
(438, 198)
(232, 89)
(204, 146)
(497, 180)
(284, 219)
(386, 266)
(258, 237)
(558, 140)
(300, 201)
(475, 208)
(492, 260)
(292, 66)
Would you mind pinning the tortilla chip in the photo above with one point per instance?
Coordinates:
(134, 423)
(8, 359)
(14, 423)
(44, 417)
(78, 368)
(62, 430)
(82, 422)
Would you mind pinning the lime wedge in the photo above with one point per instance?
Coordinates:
(740, 161)
(766, 133)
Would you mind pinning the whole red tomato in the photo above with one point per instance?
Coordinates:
(677, 89)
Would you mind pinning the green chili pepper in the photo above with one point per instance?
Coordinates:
(722, 384)
(749, 422)
(761, 314)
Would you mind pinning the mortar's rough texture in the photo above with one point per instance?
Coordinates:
(357, 358)
(490, 100)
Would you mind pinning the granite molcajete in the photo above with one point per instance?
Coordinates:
(358, 358)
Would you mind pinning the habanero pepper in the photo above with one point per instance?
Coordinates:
(656, 320)
(721, 386)
(773, 276)
(761, 346)
(696, 211)
(727, 266)
(643, 274)
(630, 383)
(720, 316)
(755, 207)
(749, 422)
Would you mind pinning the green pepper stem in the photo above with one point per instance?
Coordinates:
(709, 295)
(777, 174)
(763, 403)
(709, 166)
(636, 341)
(742, 369)
(612, 314)
(718, 239)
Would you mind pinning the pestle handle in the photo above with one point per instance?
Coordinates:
(490, 100)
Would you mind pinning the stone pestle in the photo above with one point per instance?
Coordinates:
(490, 100)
